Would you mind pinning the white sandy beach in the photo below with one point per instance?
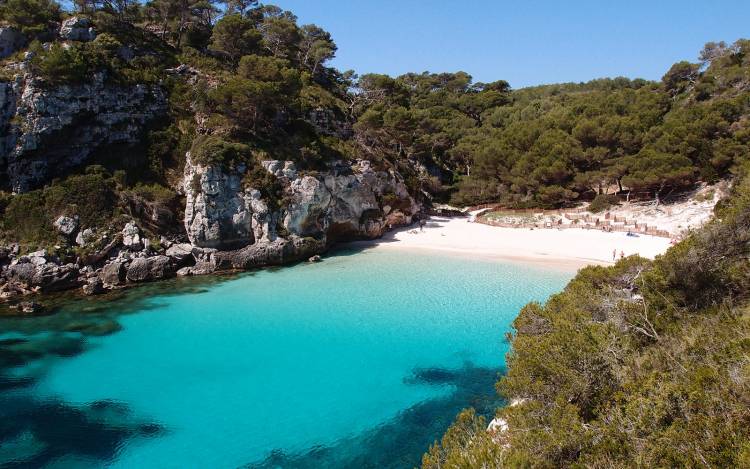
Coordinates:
(571, 248)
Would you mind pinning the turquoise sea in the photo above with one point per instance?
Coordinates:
(362, 360)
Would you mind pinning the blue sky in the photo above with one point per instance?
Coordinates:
(524, 42)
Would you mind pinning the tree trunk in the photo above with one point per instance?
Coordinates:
(658, 193)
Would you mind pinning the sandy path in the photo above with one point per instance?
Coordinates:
(567, 249)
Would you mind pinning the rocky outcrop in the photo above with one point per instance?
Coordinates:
(45, 277)
(66, 226)
(144, 269)
(219, 211)
(45, 131)
(113, 274)
(230, 227)
(349, 201)
(277, 252)
(346, 202)
(77, 28)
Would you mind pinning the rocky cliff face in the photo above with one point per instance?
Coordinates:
(219, 211)
(44, 132)
(348, 201)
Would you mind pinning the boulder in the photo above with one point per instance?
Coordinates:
(143, 269)
(37, 260)
(47, 277)
(93, 286)
(66, 226)
(180, 252)
(160, 267)
(77, 28)
(113, 273)
(52, 277)
(85, 237)
(285, 169)
(315, 258)
(22, 272)
(131, 237)
(138, 271)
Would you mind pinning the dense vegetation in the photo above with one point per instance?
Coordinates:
(553, 145)
(260, 80)
(254, 78)
(645, 363)
(642, 364)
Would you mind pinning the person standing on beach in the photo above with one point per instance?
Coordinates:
(614, 254)
(622, 254)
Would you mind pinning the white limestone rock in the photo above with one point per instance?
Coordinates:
(66, 226)
(87, 116)
(348, 201)
(77, 28)
(131, 237)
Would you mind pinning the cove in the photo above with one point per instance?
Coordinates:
(362, 360)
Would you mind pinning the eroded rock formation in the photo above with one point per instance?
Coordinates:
(46, 131)
(348, 201)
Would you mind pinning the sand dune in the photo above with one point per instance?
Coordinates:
(570, 249)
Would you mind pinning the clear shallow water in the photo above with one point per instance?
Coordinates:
(359, 361)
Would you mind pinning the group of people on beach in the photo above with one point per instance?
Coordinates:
(614, 254)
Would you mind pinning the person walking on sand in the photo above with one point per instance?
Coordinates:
(421, 225)
(614, 254)
(622, 254)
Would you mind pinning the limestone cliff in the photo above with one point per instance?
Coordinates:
(348, 201)
(46, 131)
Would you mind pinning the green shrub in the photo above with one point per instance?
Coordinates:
(603, 202)
(155, 193)
(31, 17)
(60, 65)
(209, 149)
(257, 177)
(29, 216)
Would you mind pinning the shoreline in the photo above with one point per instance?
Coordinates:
(567, 250)
(563, 250)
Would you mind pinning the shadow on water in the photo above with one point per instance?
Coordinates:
(401, 442)
(35, 433)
